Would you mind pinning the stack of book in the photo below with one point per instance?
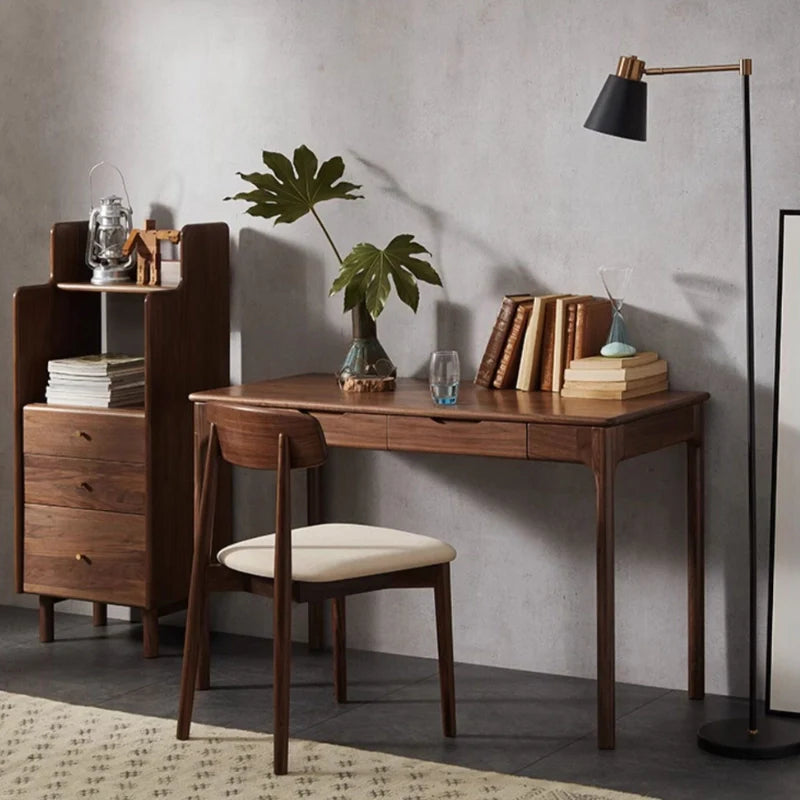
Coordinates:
(107, 380)
(534, 338)
(615, 378)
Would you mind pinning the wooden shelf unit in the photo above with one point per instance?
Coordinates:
(103, 498)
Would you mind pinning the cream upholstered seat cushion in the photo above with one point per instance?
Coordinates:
(338, 551)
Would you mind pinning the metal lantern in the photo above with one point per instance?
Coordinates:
(110, 224)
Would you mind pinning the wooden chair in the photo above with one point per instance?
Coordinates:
(327, 561)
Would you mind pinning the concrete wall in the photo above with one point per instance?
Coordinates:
(463, 122)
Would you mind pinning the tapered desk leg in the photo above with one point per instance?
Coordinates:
(696, 569)
(604, 464)
(316, 608)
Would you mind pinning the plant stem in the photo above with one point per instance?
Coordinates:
(327, 235)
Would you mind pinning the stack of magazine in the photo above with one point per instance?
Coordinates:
(108, 380)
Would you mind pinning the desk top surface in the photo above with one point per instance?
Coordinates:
(319, 392)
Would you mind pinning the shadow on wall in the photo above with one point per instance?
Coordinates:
(280, 296)
(507, 272)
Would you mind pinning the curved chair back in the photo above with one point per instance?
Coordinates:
(249, 437)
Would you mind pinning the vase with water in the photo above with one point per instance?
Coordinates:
(615, 282)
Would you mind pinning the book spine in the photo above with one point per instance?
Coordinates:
(509, 363)
(580, 327)
(497, 340)
(569, 349)
(548, 348)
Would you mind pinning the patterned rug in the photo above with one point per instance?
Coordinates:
(55, 751)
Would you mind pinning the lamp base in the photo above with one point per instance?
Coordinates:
(775, 738)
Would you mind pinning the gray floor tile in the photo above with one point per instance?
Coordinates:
(511, 721)
(657, 754)
(506, 718)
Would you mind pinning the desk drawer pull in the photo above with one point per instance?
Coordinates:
(82, 435)
(443, 421)
(85, 485)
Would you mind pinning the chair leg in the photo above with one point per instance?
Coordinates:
(282, 665)
(204, 657)
(339, 649)
(191, 650)
(444, 638)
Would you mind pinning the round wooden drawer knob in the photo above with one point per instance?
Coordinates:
(82, 557)
(81, 435)
(87, 487)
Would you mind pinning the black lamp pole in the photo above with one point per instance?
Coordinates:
(621, 110)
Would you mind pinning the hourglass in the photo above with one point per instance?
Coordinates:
(615, 282)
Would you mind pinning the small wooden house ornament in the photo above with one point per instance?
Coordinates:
(147, 243)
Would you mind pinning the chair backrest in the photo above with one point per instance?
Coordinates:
(249, 436)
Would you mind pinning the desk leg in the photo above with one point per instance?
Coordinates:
(316, 608)
(696, 569)
(604, 463)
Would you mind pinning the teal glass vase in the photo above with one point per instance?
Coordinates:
(366, 367)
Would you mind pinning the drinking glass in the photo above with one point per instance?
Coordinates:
(444, 377)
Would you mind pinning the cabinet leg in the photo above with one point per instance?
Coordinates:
(150, 632)
(46, 618)
(99, 614)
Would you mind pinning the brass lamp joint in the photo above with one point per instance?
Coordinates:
(630, 67)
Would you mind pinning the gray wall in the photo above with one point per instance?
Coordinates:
(463, 121)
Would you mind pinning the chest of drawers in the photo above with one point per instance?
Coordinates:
(103, 497)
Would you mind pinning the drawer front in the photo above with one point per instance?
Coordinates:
(84, 554)
(559, 443)
(83, 434)
(354, 430)
(436, 435)
(84, 483)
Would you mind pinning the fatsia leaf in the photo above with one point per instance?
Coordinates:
(365, 274)
(290, 190)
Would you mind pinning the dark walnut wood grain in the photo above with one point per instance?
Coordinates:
(186, 345)
(84, 483)
(106, 434)
(462, 437)
(412, 398)
(88, 555)
(367, 431)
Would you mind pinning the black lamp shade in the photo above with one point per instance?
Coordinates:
(620, 109)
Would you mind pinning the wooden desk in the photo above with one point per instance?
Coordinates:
(510, 424)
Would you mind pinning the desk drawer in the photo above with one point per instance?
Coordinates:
(354, 430)
(110, 436)
(438, 435)
(83, 554)
(84, 483)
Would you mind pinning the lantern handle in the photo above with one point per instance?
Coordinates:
(121, 177)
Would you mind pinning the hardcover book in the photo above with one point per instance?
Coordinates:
(579, 375)
(531, 358)
(497, 339)
(592, 323)
(509, 362)
(560, 338)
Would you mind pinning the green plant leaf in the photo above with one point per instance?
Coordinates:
(366, 270)
(291, 190)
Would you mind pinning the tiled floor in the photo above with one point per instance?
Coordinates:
(510, 721)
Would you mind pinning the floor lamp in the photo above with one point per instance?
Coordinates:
(621, 110)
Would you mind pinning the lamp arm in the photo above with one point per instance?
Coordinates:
(744, 67)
